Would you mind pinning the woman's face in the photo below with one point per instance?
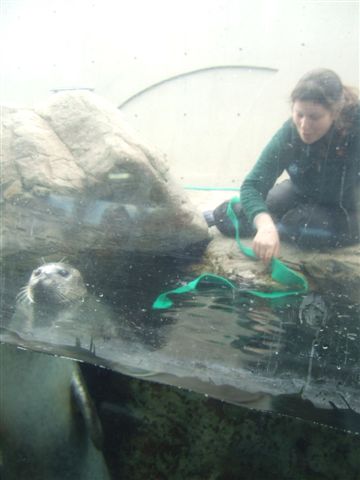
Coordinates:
(312, 120)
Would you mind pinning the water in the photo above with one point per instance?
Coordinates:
(266, 354)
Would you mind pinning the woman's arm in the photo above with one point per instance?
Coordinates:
(266, 243)
(255, 188)
(262, 177)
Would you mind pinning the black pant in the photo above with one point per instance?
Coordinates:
(297, 219)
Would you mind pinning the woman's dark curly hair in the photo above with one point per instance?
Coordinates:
(325, 87)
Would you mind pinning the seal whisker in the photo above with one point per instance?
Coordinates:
(24, 295)
(21, 294)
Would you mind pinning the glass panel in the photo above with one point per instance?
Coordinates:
(123, 128)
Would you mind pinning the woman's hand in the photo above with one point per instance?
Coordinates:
(266, 243)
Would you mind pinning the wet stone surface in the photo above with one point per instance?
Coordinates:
(160, 432)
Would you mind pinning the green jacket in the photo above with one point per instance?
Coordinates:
(327, 171)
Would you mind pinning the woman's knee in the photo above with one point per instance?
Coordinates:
(225, 225)
(282, 198)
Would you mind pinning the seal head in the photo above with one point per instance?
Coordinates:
(55, 284)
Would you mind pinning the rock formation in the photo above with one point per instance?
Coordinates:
(75, 179)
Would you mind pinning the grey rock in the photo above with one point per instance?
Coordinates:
(75, 179)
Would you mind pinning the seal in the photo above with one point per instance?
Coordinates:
(55, 283)
(49, 428)
(56, 304)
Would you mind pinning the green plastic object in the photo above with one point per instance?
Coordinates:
(279, 272)
(207, 189)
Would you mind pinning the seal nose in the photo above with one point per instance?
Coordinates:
(41, 277)
(40, 274)
(37, 272)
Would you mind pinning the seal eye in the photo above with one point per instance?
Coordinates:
(37, 272)
(64, 273)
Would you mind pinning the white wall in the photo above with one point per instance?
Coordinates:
(121, 47)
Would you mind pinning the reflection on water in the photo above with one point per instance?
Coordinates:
(226, 344)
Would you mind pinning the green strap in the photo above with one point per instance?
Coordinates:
(211, 189)
(163, 301)
(279, 272)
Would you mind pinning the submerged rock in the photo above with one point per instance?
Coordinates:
(335, 271)
(174, 433)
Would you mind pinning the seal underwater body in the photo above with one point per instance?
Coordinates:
(49, 429)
